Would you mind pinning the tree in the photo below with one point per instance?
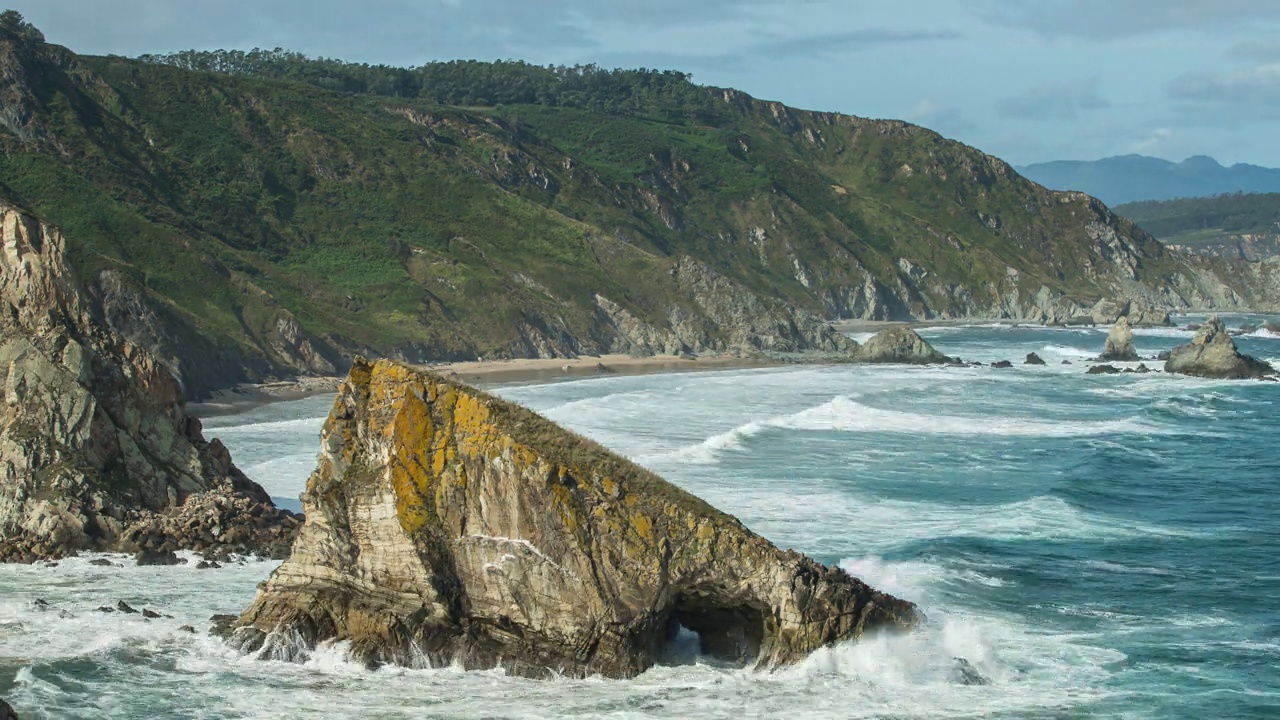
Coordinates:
(12, 22)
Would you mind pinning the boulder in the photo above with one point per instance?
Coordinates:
(1119, 346)
(1033, 359)
(446, 526)
(1213, 354)
(96, 449)
(1002, 364)
(1103, 370)
(7, 711)
(158, 557)
(899, 345)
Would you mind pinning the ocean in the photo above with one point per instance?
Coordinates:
(1096, 546)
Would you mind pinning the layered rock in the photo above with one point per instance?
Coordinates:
(444, 525)
(1119, 346)
(96, 451)
(899, 345)
(1213, 354)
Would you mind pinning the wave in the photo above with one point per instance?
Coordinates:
(273, 427)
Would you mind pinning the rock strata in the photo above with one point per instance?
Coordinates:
(96, 450)
(1213, 354)
(899, 345)
(447, 526)
(1119, 346)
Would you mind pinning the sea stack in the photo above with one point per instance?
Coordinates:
(448, 526)
(1213, 354)
(96, 451)
(1119, 347)
(900, 345)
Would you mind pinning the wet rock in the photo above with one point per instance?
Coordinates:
(1002, 364)
(158, 557)
(103, 562)
(1119, 346)
(1066, 362)
(900, 345)
(1163, 355)
(208, 565)
(222, 625)
(7, 712)
(187, 629)
(602, 369)
(1033, 359)
(151, 614)
(124, 607)
(1213, 354)
(1103, 370)
(1143, 369)
(105, 609)
(522, 546)
(964, 673)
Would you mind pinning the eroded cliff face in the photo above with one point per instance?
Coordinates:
(445, 525)
(96, 451)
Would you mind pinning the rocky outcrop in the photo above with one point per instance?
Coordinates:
(1213, 354)
(7, 712)
(1119, 346)
(96, 451)
(447, 526)
(899, 345)
(1033, 359)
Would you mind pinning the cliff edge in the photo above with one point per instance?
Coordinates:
(444, 525)
(96, 451)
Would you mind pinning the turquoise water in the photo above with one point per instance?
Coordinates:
(1098, 546)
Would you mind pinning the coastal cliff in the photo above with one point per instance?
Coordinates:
(448, 526)
(96, 451)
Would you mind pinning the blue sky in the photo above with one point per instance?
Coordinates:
(1028, 80)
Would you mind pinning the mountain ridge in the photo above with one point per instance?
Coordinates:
(251, 227)
(1132, 178)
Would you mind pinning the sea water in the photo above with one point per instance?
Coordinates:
(1096, 546)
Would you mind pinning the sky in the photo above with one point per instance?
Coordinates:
(1026, 80)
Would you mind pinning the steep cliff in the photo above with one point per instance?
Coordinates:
(248, 224)
(444, 525)
(95, 449)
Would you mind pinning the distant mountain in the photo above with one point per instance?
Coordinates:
(1133, 178)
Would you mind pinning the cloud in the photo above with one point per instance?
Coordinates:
(836, 43)
(1246, 96)
(1109, 19)
(1055, 101)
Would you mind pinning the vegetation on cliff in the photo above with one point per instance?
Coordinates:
(1239, 226)
(279, 214)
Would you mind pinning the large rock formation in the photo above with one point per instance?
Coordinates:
(899, 345)
(96, 451)
(1119, 346)
(444, 525)
(1213, 354)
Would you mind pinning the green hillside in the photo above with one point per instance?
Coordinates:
(253, 214)
(1244, 226)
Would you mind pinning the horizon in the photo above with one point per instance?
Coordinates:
(1196, 77)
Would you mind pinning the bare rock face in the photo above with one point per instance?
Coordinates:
(1119, 347)
(96, 451)
(1213, 354)
(444, 525)
(900, 345)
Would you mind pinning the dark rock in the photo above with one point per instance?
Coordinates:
(1033, 359)
(40, 604)
(1103, 370)
(1142, 369)
(103, 562)
(106, 609)
(187, 629)
(124, 607)
(223, 625)
(1002, 364)
(158, 557)
(899, 345)
(208, 565)
(1164, 355)
(1066, 362)
(965, 673)
(151, 614)
(1213, 354)
(7, 712)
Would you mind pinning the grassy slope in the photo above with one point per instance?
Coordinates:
(1210, 220)
(385, 224)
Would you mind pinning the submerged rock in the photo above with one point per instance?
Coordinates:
(445, 525)
(1119, 347)
(966, 674)
(1103, 370)
(1033, 359)
(899, 345)
(1002, 364)
(1213, 354)
(96, 449)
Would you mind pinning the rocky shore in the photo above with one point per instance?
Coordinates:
(1213, 354)
(96, 449)
(447, 526)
